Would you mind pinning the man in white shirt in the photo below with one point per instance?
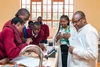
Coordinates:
(84, 46)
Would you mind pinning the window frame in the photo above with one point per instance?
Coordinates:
(52, 13)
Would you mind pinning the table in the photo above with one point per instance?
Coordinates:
(51, 62)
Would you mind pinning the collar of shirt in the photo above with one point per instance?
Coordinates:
(35, 35)
(82, 27)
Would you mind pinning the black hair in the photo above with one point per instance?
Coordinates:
(40, 17)
(36, 23)
(30, 22)
(80, 13)
(66, 17)
(16, 20)
(22, 11)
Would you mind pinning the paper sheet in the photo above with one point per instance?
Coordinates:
(27, 61)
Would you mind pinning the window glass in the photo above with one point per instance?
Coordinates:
(71, 1)
(44, 16)
(55, 8)
(54, 16)
(38, 8)
(49, 16)
(55, 24)
(27, 1)
(33, 8)
(66, 8)
(33, 16)
(23, 1)
(60, 8)
(71, 8)
(44, 8)
(70, 16)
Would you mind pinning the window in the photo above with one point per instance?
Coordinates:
(50, 10)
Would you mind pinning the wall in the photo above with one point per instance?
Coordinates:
(91, 9)
(8, 8)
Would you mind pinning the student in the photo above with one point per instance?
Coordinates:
(30, 23)
(84, 46)
(35, 33)
(45, 29)
(25, 29)
(64, 30)
(62, 36)
(22, 13)
(10, 40)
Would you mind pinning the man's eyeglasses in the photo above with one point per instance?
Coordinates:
(76, 21)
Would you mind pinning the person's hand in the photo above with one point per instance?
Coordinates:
(28, 40)
(23, 39)
(71, 49)
(66, 35)
(41, 45)
(4, 61)
(58, 37)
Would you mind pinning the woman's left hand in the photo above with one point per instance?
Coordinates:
(66, 35)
